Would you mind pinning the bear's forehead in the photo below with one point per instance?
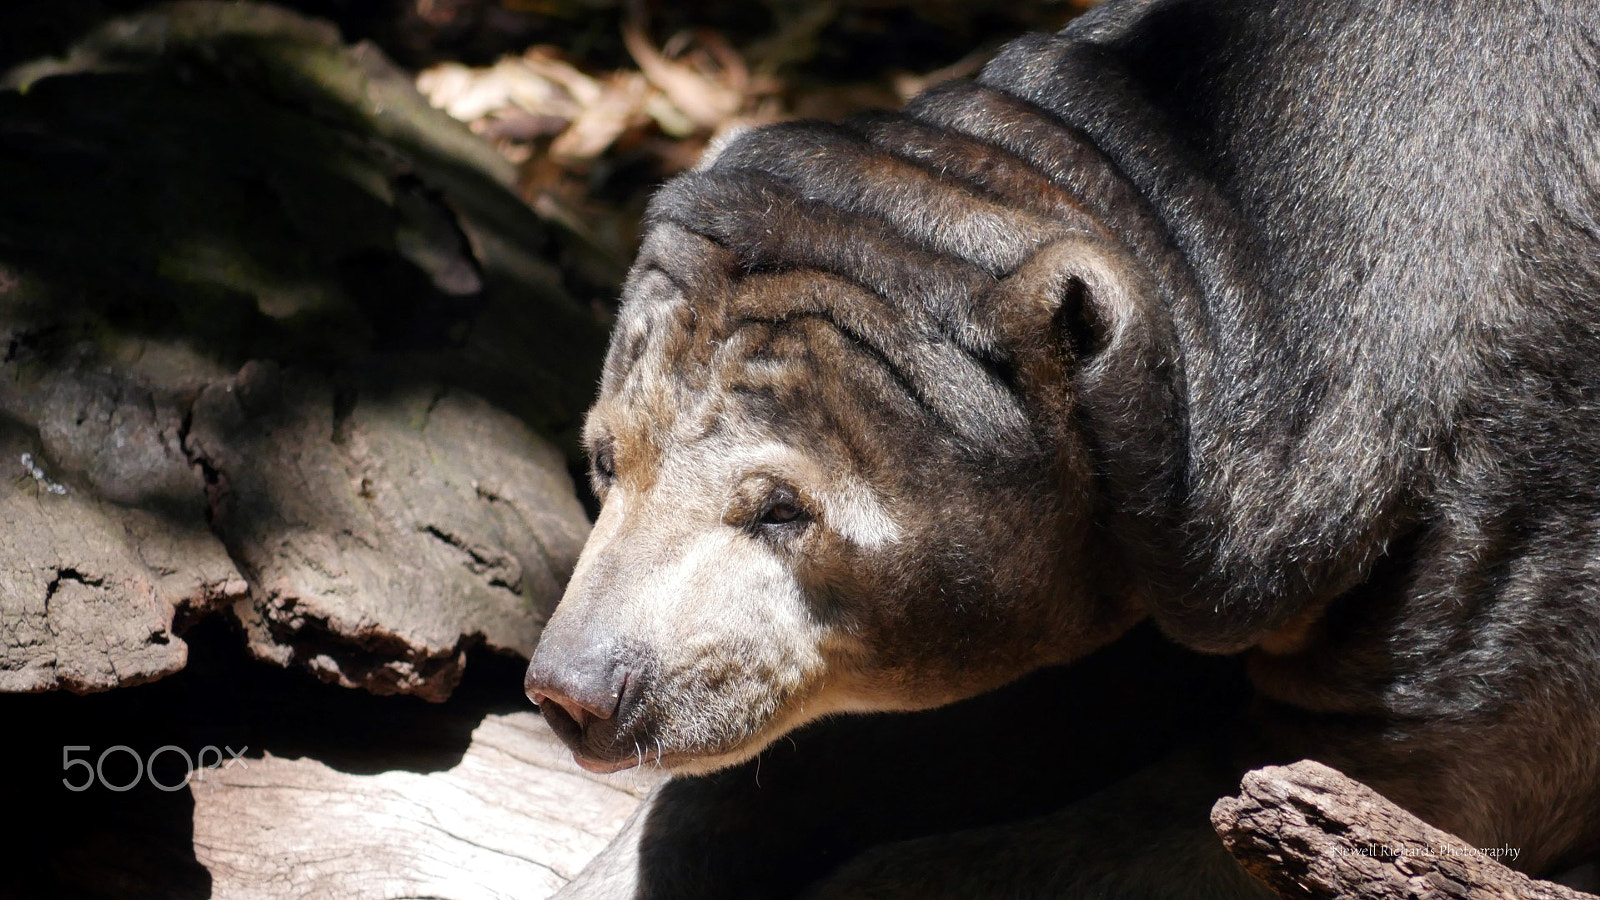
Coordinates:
(690, 387)
(683, 387)
(701, 328)
(800, 354)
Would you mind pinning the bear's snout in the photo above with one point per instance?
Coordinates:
(583, 689)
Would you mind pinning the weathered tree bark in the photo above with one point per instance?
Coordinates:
(275, 336)
(1307, 830)
(89, 588)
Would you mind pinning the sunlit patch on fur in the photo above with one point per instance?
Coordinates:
(744, 651)
(857, 515)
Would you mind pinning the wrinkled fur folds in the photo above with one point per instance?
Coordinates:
(1333, 362)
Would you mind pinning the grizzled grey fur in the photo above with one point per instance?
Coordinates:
(1274, 323)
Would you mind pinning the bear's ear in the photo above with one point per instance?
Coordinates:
(1079, 317)
(1091, 328)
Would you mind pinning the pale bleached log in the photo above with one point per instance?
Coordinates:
(514, 818)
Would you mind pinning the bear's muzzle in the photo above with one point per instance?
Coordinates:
(582, 689)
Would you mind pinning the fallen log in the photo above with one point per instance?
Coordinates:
(513, 818)
(1309, 831)
(277, 340)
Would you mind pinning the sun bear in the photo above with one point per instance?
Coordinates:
(1273, 324)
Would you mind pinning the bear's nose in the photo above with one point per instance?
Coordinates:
(585, 688)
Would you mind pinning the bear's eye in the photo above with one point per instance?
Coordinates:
(779, 514)
(605, 465)
(782, 508)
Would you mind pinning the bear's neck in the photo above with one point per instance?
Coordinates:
(1253, 467)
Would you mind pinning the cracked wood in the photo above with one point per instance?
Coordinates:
(1309, 831)
(514, 817)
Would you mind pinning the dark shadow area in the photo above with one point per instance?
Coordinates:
(138, 842)
(859, 38)
(33, 28)
(767, 829)
(215, 187)
(247, 189)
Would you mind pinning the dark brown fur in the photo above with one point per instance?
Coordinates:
(1274, 323)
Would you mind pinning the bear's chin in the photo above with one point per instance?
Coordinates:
(672, 763)
(696, 761)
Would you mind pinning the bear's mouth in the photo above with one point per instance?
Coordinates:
(604, 767)
(601, 747)
(605, 746)
(577, 737)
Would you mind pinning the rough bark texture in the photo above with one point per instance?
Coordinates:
(274, 334)
(90, 588)
(387, 534)
(1309, 831)
(514, 818)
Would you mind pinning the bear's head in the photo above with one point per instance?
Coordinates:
(842, 461)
